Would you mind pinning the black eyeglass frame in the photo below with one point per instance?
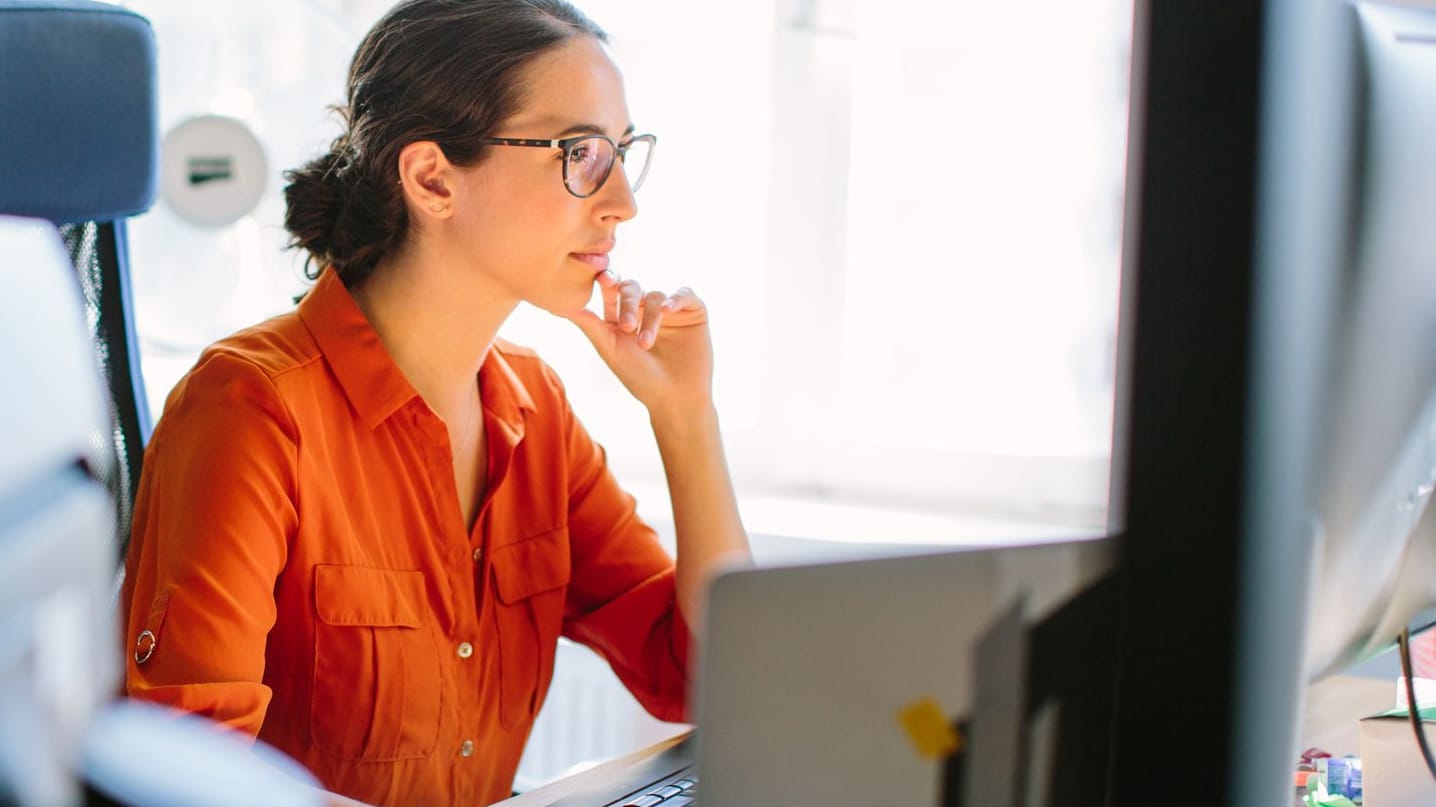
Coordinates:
(620, 152)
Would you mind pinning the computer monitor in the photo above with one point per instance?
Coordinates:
(1275, 446)
(1376, 542)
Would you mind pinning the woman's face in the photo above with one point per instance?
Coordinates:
(523, 228)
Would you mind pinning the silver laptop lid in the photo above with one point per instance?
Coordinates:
(805, 670)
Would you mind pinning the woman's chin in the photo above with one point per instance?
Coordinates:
(567, 309)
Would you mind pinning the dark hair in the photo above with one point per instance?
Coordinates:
(440, 70)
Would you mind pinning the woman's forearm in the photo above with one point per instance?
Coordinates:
(705, 510)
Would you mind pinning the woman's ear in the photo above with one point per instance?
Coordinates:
(425, 174)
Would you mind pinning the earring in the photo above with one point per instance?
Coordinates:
(438, 207)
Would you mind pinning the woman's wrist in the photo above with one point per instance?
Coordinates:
(679, 414)
(683, 419)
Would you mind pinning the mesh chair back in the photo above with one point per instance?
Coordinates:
(94, 253)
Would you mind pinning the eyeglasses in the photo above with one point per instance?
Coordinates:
(588, 159)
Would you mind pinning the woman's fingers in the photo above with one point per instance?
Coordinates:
(608, 286)
(681, 300)
(630, 296)
(594, 328)
(652, 318)
(628, 309)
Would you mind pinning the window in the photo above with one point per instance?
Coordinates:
(904, 215)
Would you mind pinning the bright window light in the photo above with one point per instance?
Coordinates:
(904, 215)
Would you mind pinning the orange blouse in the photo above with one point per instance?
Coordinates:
(299, 567)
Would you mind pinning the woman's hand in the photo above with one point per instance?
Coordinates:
(658, 345)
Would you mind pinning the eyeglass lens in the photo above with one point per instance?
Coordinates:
(590, 161)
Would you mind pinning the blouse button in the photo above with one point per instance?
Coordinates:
(478, 554)
(466, 748)
(465, 650)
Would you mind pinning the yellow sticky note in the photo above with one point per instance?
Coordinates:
(930, 732)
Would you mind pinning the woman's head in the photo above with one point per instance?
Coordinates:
(444, 72)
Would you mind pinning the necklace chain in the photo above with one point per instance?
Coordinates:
(468, 432)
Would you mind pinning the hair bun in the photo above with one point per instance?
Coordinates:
(333, 214)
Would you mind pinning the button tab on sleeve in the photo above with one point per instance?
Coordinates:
(145, 646)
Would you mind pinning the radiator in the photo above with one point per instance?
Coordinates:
(588, 718)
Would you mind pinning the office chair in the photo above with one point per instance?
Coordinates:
(79, 148)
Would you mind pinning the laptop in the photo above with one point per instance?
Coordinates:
(805, 670)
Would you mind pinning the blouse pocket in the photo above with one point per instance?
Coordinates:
(531, 580)
(377, 686)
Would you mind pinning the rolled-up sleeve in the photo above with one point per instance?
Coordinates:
(213, 517)
(622, 598)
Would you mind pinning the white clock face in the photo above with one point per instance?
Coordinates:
(212, 170)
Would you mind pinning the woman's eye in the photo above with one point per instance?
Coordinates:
(579, 154)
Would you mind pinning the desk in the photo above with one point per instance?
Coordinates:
(608, 773)
(1332, 708)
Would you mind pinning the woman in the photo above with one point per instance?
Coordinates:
(364, 524)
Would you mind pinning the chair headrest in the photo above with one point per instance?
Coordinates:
(78, 112)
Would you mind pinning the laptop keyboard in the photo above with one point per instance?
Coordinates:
(678, 790)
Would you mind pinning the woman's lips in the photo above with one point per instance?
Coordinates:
(598, 260)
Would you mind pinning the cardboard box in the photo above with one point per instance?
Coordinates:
(1393, 772)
